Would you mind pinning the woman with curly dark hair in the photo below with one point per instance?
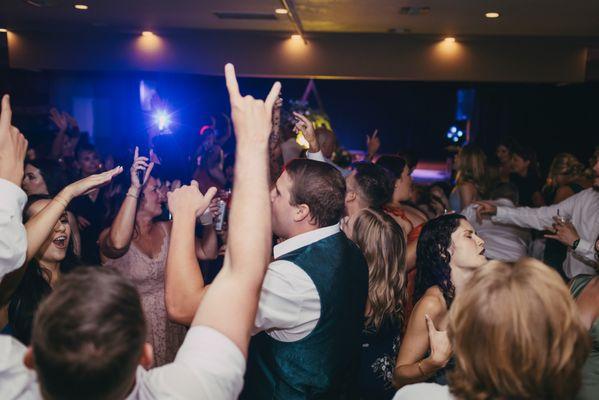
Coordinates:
(448, 253)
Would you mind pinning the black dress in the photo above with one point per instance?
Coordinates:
(378, 355)
(95, 212)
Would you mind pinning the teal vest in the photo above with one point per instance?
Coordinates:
(324, 364)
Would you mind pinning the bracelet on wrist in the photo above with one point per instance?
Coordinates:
(575, 244)
(420, 369)
(133, 192)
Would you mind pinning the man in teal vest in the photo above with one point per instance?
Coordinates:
(310, 316)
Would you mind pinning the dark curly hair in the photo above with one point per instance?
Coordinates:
(432, 256)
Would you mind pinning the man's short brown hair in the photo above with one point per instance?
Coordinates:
(321, 187)
(88, 336)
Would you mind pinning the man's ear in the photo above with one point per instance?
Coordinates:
(350, 196)
(302, 212)
(147, 356)
(28, 359)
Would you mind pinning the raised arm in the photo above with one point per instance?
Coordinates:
(184, 284)
(115, 240)
(40, 225)
(13, 145)
(229, 306)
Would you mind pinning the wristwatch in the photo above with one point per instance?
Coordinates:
(575, 244)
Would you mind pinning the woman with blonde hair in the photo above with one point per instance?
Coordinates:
(471, 167)
(382, 241)
(515, 333)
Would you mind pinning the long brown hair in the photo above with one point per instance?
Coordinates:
(382, 241)
(516, 333)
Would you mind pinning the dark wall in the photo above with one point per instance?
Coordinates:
(412, 115)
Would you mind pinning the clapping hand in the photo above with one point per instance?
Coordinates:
(252, 118)
(140, 164)
(441, 350)
(188, 201)
(13, 146)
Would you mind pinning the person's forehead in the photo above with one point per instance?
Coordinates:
(464, 226)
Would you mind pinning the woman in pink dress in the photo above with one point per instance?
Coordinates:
(136, 244)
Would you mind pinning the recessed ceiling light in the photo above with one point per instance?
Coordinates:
(81, 6)
(2, 30)
(449, 39)
(147, 33)
(296, 36)
(492, 15)
(281, 11)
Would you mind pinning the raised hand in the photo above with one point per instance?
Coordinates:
(441, 350)
(140, 164)
(188, 201)
(71, 121)
(373, 143)
(252, 118)
(86, 185)
(13, 146)
(305, 126)
(60, 120)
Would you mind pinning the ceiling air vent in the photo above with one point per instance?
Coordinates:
(244, 15)
(43, 3)
(415, 10)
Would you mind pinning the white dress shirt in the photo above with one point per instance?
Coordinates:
(208, 366)
(318, 156)
(421, 391)
(289, 306)
(583, 211)
(13, 238)
(503, 242)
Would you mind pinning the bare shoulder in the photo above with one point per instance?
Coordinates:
(432, 303)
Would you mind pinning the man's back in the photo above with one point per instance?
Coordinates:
(321, 364)
(503, 242)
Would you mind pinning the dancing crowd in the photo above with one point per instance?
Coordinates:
(257, 269)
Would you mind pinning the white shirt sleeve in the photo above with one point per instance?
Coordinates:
(289, 306)
(16, 380)
(420, 391)
(318, 156)
(208, 366)
(535, 218)
(13, 238)
(586, 249)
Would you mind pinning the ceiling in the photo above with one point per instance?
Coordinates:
(455, 17)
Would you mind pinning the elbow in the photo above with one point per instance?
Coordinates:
(178, 313)
(398, 379)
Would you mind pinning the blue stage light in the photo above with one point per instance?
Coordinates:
(453, 129)
(162, 120)
(460, 133)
